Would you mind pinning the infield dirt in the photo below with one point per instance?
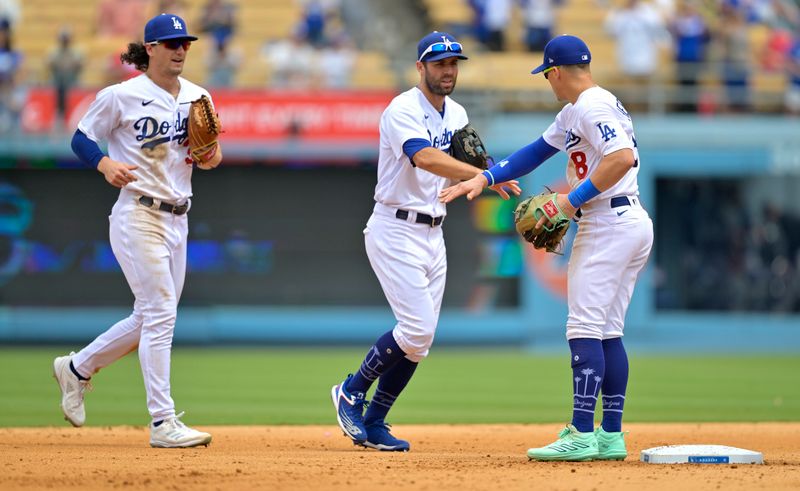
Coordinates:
(459, 457)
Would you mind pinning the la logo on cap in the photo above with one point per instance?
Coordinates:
(176, 24)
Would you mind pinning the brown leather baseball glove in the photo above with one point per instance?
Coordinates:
(204, 128)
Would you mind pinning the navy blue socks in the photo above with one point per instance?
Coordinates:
(614, 384)
(390, 385)
(382, 356)
(588, 369)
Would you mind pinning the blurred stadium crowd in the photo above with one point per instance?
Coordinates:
(708, 56)
(736, 251)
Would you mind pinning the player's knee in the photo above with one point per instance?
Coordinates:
(575, 331)
(161, 318)
(417, 343)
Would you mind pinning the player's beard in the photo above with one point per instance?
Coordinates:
(435, 87)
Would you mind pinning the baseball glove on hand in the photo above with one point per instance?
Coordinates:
(529, 212)
(204, 129)
(467, 147)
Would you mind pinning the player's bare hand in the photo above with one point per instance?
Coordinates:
(506, 189)
(472, 188)
(116, 173)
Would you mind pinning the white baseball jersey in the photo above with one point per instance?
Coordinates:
(145, 126)
(595, 126)
(400, 183)
(613, 240)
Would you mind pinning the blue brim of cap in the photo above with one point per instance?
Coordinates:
(446, 54)
(176, 36)
(540, 68)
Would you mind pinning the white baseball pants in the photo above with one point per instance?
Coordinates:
(150, 246)
(410, 262)
(610, 250)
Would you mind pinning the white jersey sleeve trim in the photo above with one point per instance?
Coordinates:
(400, 126)
(102, 116)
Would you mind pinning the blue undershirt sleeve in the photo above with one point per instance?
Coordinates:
(414, 145)
(86, 149)
(520, 162)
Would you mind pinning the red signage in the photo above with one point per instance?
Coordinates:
(251, 115)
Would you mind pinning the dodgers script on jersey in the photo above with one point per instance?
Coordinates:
(400, 183)
(154, 134)
(595, 126)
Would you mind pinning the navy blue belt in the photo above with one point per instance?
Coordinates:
(616, 202)
(174, 209)
(421, 218)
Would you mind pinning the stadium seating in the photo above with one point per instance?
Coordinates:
(585, 18)
(258, 21)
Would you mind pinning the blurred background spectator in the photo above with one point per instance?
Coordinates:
(121, 18)
(640, 34)
(9, 12)
(336, 62)
(223, 63)
(219, 20)
(314, 21)
(177, 7)
(735, 57)
(540, 16)
(65, 63)
(792, 98)
(291, 61)
(491, 20)
(691, 37)
(10, 66)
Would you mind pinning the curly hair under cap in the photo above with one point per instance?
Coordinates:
(136, 56)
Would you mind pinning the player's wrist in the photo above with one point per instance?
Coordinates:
(488, 178)
(583, 193)
(103, 163)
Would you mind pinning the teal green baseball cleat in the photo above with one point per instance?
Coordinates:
(571, 446)
(610, 445)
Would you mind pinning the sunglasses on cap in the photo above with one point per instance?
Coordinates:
(440, 48)
(546, 72)
(173, 44)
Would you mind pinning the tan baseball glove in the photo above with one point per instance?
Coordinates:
(204, 129)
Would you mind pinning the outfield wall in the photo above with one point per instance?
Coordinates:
(305, 278)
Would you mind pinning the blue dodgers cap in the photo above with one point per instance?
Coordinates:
(564, 50)
(166, 26)
(438, 46)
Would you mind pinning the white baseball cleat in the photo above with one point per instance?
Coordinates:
(172, 433)
(72, 389)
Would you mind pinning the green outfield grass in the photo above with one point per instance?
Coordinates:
(292, 386)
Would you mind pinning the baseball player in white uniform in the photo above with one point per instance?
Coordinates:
(144, 121)
(404, 239)
(615, 235)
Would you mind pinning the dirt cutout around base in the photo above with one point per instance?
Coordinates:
(462, 457)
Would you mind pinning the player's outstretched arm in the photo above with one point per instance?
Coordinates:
(437, 162)
(116, 173)
(473, 187)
